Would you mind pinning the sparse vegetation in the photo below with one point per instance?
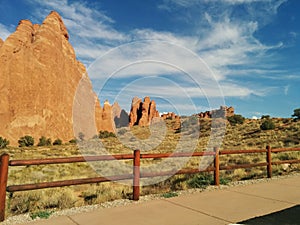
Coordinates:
(244, 136)
(3, 142)
(106, 134)
(26, 141)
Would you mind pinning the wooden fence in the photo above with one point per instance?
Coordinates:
(136, 175)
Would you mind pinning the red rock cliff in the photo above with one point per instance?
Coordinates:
(39, 75)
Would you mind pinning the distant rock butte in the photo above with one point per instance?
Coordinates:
(142, 113)
(39, 75)
(172, 116)
(223, 111)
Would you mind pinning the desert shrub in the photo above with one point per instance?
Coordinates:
(3, 142)
(200, 181)
(267, 125)
(122, 131)
(169, 195)
(236, 119)
(43, 141)
(41, 214)
(265, 117)
(106, 134)
(73, 141)
(81, 136)
(57, 142)
(26, 141)
(296, 113)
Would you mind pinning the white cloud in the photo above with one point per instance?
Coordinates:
(225, 41)
(4, 32)
(91, 31)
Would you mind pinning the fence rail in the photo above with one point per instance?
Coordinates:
(136, 175)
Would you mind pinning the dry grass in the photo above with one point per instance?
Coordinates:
(245, 136)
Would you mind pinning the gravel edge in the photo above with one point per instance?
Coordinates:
(26, 219)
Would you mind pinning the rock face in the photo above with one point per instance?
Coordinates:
(39, 75)
(120, 116)
(107, 120)
(142, 113)
(223, 111)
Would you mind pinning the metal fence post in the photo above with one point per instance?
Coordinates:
(4, 159)
(136, 175)
(217, 167)
(269, 161)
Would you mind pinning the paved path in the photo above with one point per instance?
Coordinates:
(216, 207)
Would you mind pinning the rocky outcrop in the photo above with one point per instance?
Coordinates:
(107, 121)
(120, 116)
(39, 75)
(223, 111)
(142, 113)
(174, 117)
(135, 111)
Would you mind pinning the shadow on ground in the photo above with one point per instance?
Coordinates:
(290, 216)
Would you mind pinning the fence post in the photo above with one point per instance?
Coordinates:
(136, 175)
(269, 162)
(3, 183)
(217, 167)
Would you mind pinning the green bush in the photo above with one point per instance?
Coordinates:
(265, 117)
(267, 125)
(169, 195)
(296, 113)
(3, 142)
(106, 134)
(200, 181)
(41, 214)
(57, 142)
(43, 141)
(73, 141)
(26, 141)
(236, 119)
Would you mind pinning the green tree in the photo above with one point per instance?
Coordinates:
(267, 125)
(3, 142)
(296, 113)
(236, 119)
(26, 141)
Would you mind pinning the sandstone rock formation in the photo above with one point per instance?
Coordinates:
(142, 113)
(107, 119)
(120, 116)
(223, 111)
(172, 116)
(39, 75)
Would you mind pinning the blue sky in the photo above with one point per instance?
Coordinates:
(188, 55)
